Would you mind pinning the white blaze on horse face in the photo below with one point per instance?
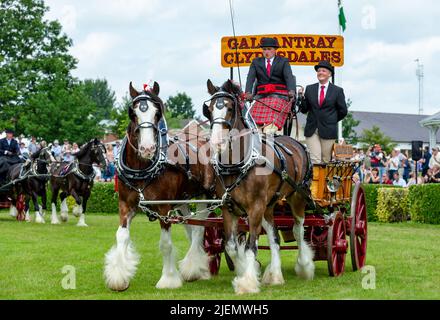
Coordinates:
(218, 115)
(147, 141)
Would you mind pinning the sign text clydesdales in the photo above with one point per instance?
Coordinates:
(300, 49)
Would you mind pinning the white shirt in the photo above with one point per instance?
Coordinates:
(271, 61)
(394, 163)
(325, 89)
(435, 160)
(401, 182)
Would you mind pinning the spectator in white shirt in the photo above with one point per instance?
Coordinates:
(23, 150)
(412, 179)
(435, 158)
(75, 148)
(56, 150)
(398, 181)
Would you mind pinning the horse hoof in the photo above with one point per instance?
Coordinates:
(171, 282)
(82, 225)
(122, 288)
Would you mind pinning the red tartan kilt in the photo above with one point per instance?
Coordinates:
(270, 110)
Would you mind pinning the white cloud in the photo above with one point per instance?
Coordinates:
(177, 43)
(96, 52)
(68, 18)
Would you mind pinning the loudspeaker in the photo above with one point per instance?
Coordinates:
(417, 150)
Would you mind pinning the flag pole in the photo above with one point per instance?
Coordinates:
(340, 135)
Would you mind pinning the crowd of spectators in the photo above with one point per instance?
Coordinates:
(67, 151)
(397, 168)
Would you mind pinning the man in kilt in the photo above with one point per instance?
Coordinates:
(271, 84)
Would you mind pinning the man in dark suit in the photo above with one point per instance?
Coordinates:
(325, 105)
(9, 151)
(271, 83)
(8, 145)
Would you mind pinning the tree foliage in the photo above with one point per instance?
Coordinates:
(119, 115)
(102, 95)
(375, 136)
(348, 125)
(180, 106)
(38, 94)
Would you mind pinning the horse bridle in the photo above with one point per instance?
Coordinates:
(220, 104)
(99, 146)
(143, 99)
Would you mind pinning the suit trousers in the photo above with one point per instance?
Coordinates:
(320, 149)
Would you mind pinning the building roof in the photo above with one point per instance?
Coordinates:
(399, 127)
(431, 120)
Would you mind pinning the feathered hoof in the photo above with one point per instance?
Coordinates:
(305, 271)
(246, 284)
(169, 282)
(271, 278)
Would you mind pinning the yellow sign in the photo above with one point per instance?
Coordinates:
(300, 49)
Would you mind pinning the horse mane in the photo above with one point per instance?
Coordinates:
(84, 148)
(36, 155)
(234, 89)
(231, 87)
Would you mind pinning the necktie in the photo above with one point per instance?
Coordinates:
(321, 96)
(268, 67)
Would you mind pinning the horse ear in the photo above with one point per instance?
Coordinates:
(133, 91)
(229, 85)
(156, 88)
(211, 88)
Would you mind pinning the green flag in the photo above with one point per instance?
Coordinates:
(342, 21)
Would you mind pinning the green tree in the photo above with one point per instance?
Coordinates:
(119, 115)
(103, 96)
(33, 55)
(180, 106)
(38, 94)
(348, 125)
(373, 136)
(62, 113)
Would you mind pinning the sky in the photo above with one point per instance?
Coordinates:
(177, 44)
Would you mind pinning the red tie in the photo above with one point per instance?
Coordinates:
(321, 96)
(268, 67)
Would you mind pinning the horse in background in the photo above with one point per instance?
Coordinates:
(146, 171)
(281, 171)
(31, 178)
(76, 179)
(37, 185)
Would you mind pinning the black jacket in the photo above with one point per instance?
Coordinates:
(280, 73)
(326, 117)
(13, 148)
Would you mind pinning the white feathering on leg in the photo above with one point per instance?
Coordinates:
(121, 262)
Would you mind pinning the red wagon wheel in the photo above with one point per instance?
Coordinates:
(358, 232)
(20, 208)
(213, 244)
(336, 246)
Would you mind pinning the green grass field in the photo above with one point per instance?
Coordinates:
(406, 258)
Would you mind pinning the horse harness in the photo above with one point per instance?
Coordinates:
(254, 157)
(74, 168)
(159, 162)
